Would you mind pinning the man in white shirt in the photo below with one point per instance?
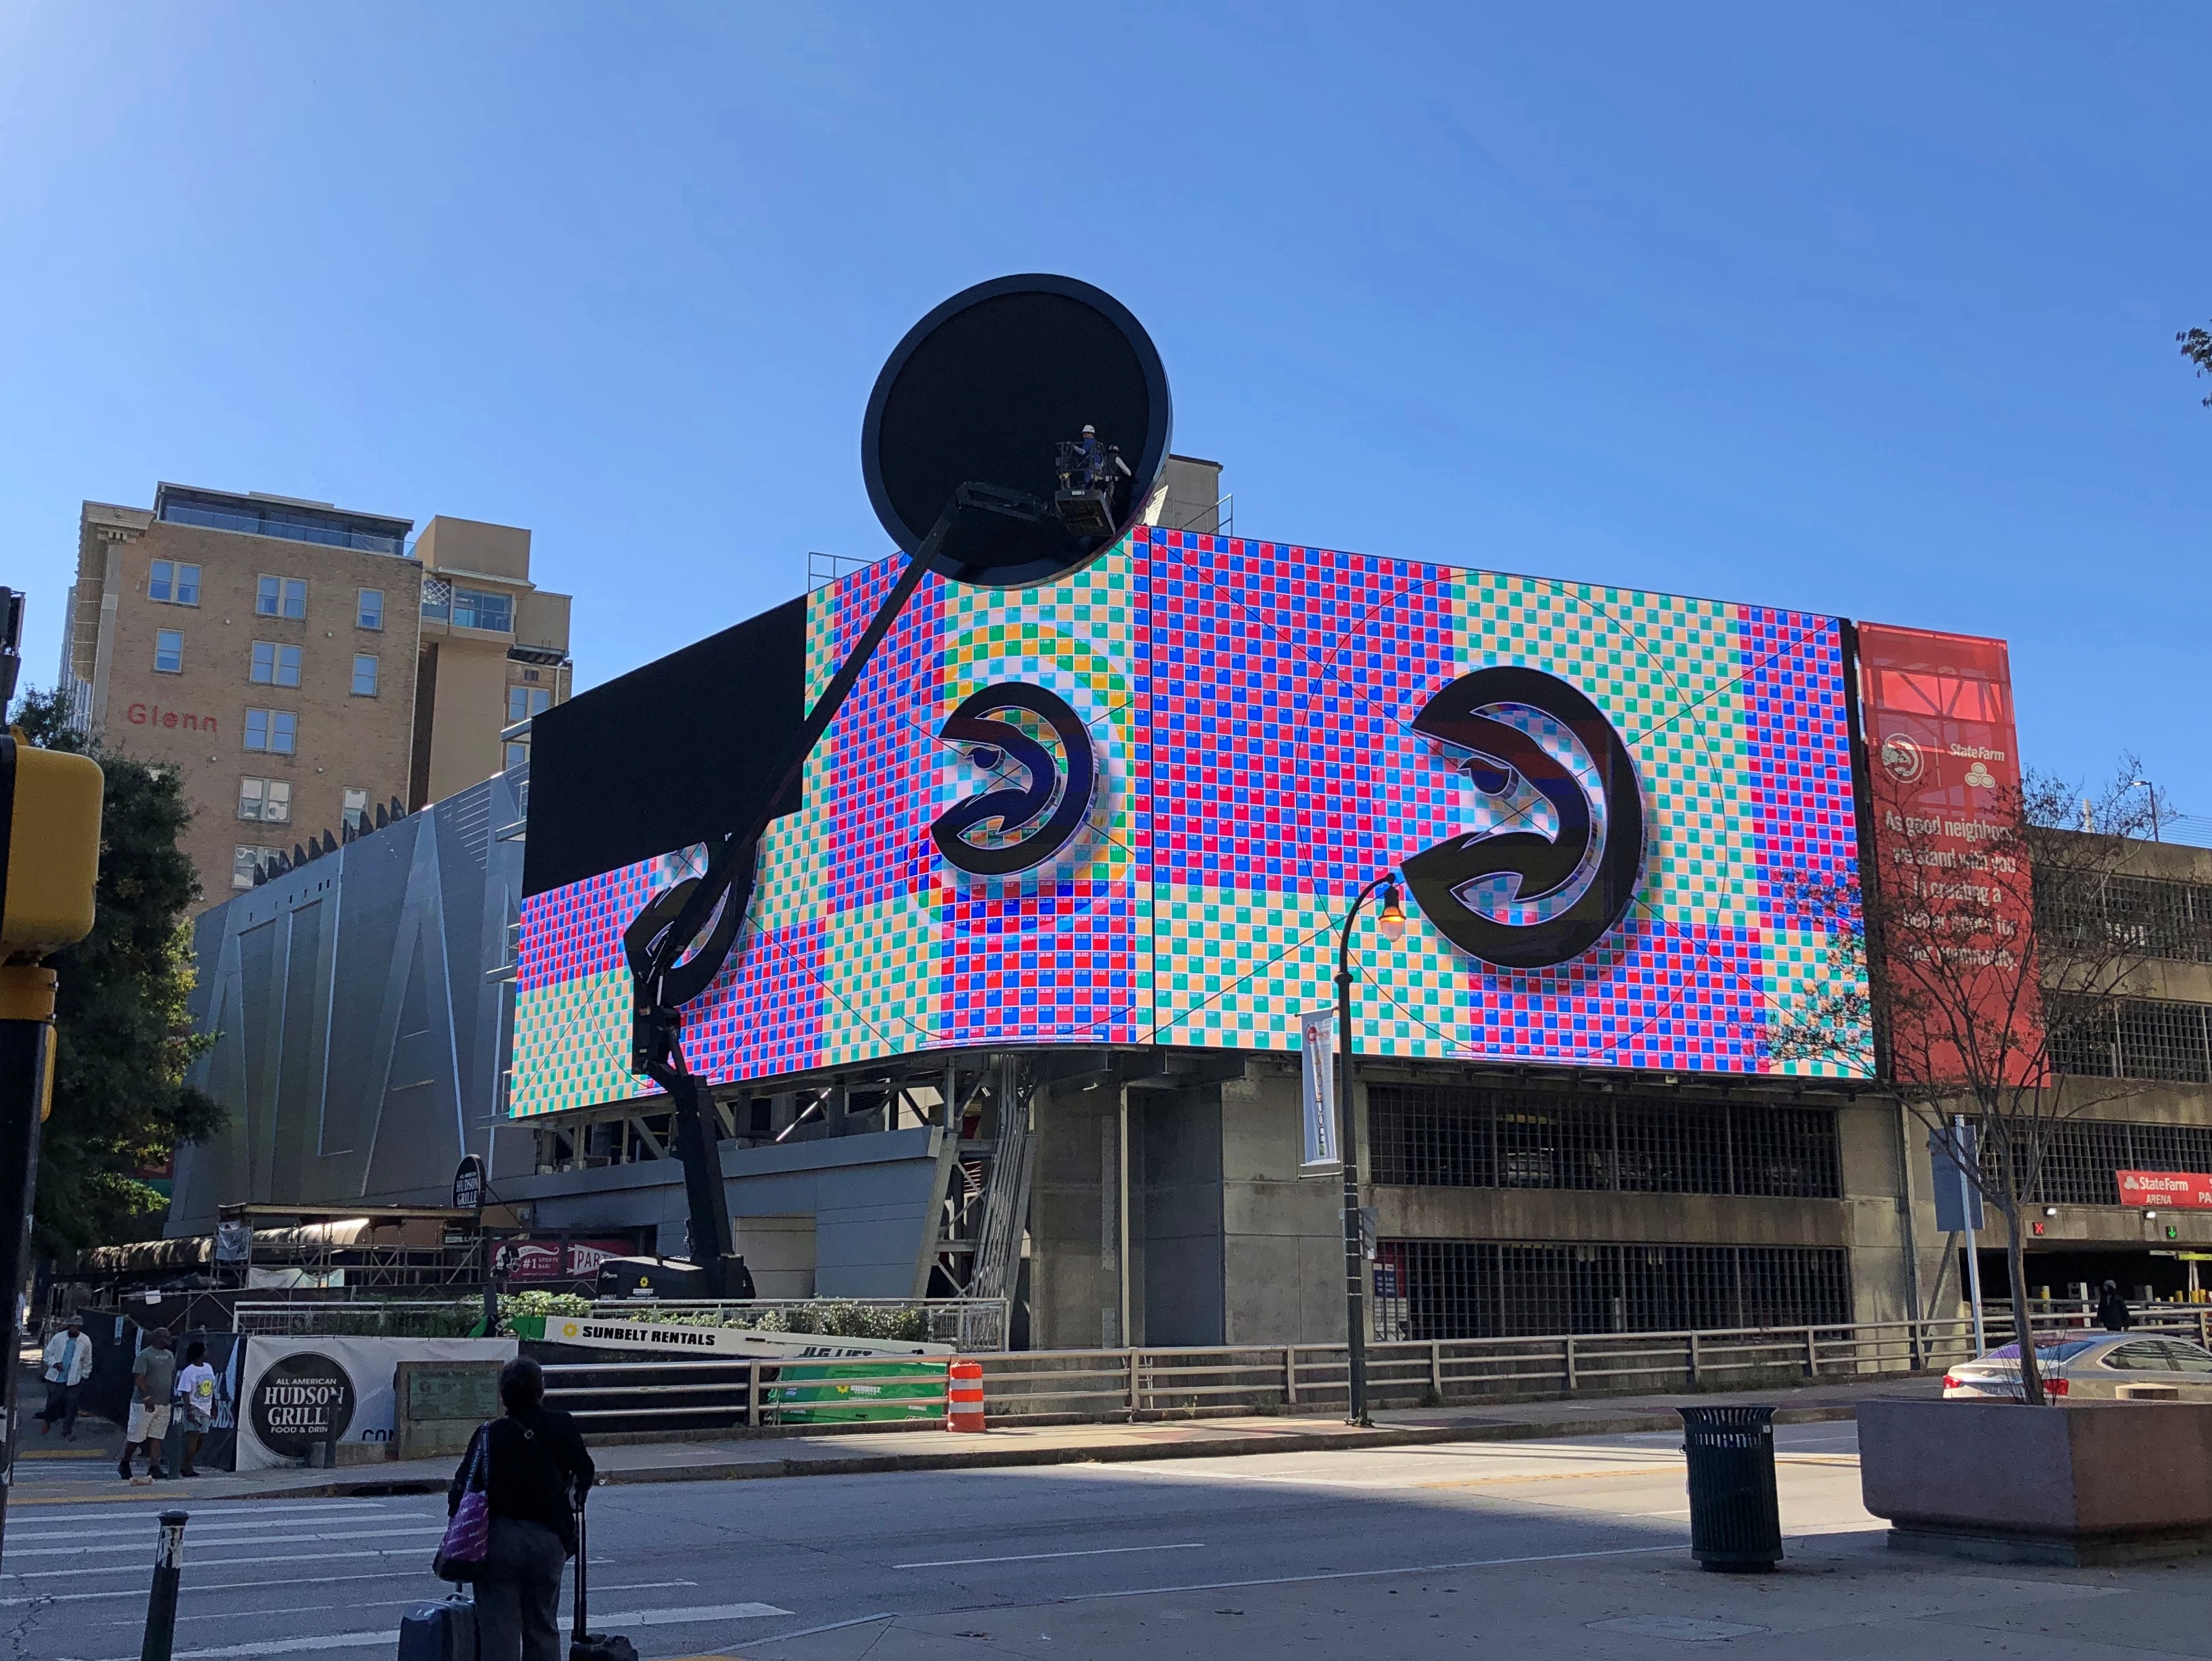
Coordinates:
(68, 1364)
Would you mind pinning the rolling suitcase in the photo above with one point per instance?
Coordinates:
(444, 1631)
(583, 1645)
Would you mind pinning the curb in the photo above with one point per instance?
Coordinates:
(871, 1464)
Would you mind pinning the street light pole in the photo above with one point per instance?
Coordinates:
(1393, 920)
(2151, 790)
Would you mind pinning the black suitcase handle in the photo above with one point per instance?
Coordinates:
(583, 1556)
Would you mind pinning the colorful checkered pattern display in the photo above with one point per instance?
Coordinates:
(1249, 706)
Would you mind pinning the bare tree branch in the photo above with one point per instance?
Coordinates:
(2001, 955)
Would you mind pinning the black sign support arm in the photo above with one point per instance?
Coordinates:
(657, 938)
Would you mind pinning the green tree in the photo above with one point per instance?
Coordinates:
(2197, 347)
(125, 1039)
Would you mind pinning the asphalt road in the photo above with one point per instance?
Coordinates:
(1566, 1548)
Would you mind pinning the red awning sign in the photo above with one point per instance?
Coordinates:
(2181, 1189)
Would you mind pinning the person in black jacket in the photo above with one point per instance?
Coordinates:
(536, 1472)
(2111, 1313)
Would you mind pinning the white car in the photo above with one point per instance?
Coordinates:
(2108, 1366)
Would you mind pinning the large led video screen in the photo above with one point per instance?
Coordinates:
(1132, 807)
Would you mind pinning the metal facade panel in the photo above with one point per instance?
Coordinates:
(358, 1044)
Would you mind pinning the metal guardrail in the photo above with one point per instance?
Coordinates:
(1294, 1378)
(650, 1395)
(1042, 1385)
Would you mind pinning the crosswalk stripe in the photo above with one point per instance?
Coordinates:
(353, 1640)
(388, 1553)
(204, 1520)
(141, 1545)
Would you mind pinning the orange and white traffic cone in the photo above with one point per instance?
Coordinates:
(963, 1396)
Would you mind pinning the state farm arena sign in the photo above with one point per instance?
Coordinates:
(2177, 1190)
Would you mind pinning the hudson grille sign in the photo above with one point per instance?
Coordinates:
(299, 1394)
(301, 1402)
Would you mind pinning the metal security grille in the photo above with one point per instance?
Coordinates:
(2081, 1157)
(2131, 1039)
(1506, 1289)
(1464, 1136)
(2146, 915)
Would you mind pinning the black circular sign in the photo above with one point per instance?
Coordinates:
(300, 1400)
(990, 745)
(1583, 879)
(983, 391)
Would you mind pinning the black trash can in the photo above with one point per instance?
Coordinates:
(1736, 1525)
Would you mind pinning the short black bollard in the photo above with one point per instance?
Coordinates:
(1736, 1523)
(162, 1601)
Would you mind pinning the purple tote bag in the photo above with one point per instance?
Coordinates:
(460, 1554)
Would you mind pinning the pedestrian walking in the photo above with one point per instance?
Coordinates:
(2113, 1310)
(535, 1467)
(195, 1400)
(153, 1378)
(68, 1364)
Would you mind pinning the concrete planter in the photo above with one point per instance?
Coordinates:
(2093, 1482)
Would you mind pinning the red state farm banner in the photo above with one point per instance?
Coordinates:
(1958, 904)
(2181, 1189)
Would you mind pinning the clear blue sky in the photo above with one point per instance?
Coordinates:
(1869, 311)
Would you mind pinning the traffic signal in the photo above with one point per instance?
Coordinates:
(49, 848)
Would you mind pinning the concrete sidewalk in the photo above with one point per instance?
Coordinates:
(931, 1449)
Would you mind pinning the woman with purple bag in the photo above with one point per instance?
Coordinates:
(512, 1503)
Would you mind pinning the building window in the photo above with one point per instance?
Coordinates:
(1428, 1289)
(1466, 1137)
(2129, 1038)
(2081, 1157)
(169, 651)
(173, 584)
(269, 801)
(2152, 915)
(368, 609)
(524, 702)
(364, 675)
(281, 596)
(517, 754)
(273, 730)
(356, 810)
(475, 608)
(275, 665)
(244, 862)
(437, 598)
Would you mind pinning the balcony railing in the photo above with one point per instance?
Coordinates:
(328, 536)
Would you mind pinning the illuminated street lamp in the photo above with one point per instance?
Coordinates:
(2145, 785)
(1392, 921)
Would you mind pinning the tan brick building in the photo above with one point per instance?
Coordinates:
(285, 656)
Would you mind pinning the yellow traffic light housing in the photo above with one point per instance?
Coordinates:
(49, 848)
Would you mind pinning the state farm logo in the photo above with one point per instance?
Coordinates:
(300, 1400)
(1901, 758)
